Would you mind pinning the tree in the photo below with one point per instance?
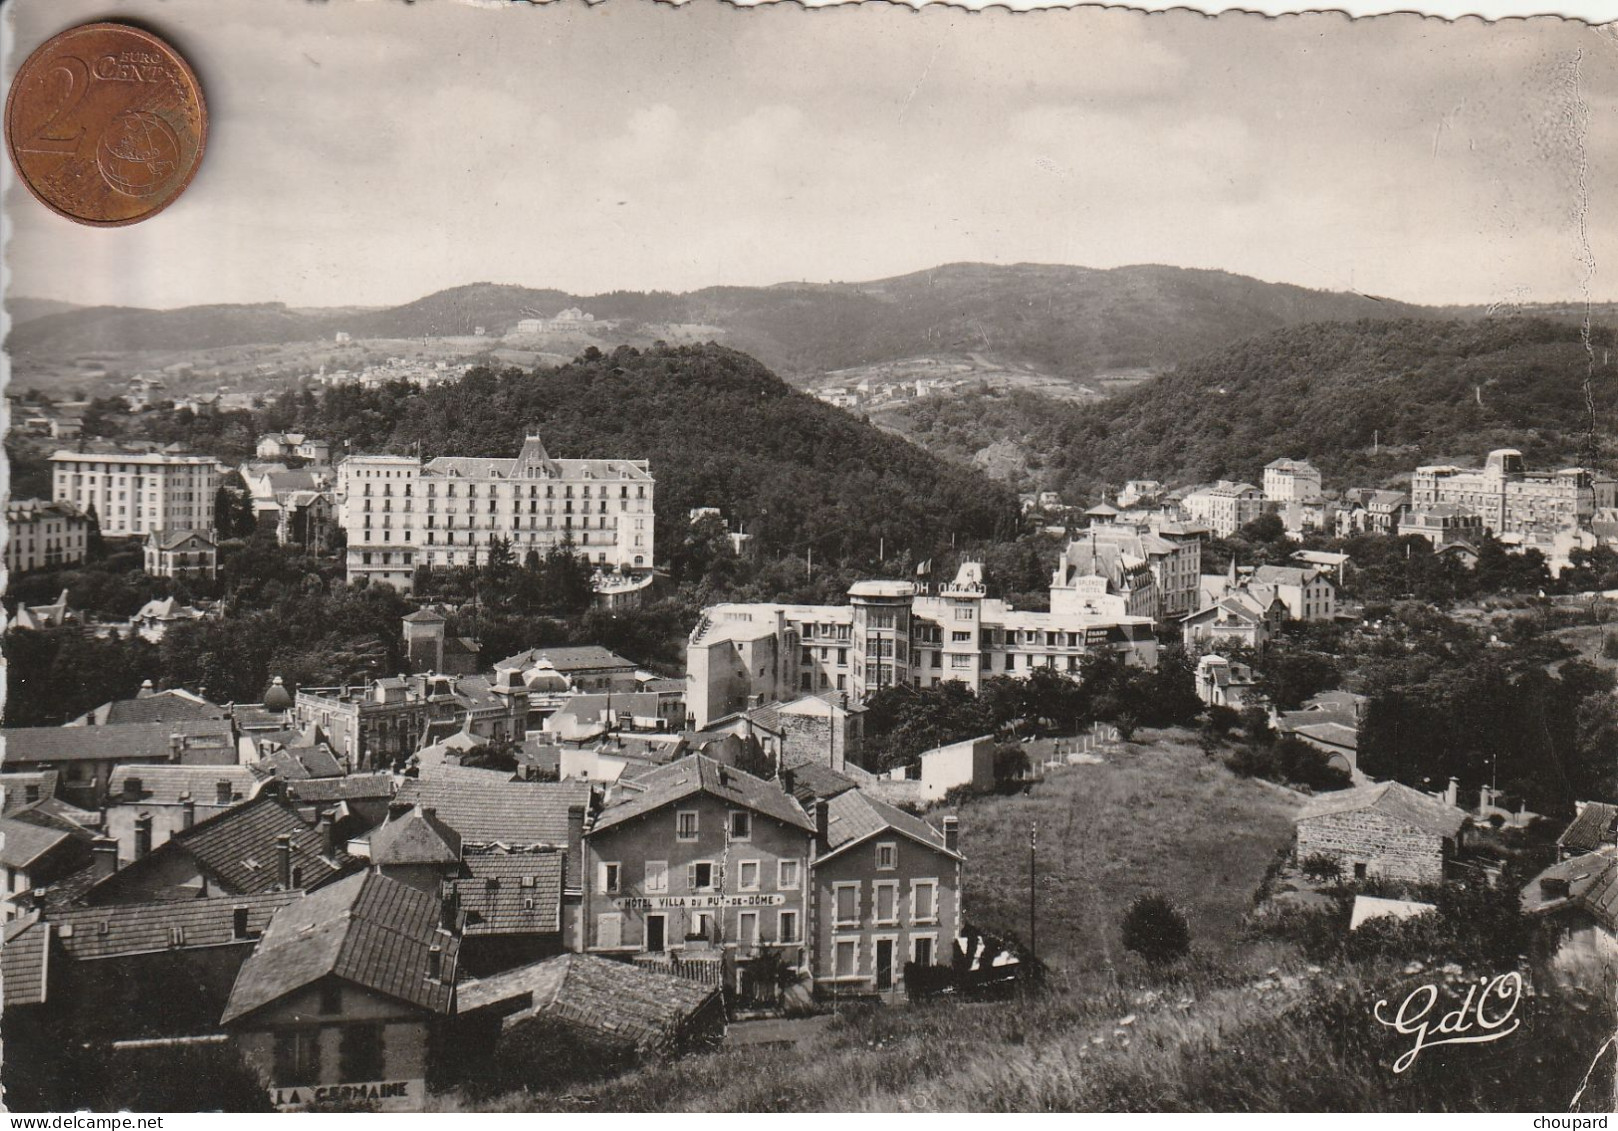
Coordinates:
(1154, 929)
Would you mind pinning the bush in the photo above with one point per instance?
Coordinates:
(1155, 930)
(1320, 867)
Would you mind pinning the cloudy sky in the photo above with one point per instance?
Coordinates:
(370, 153)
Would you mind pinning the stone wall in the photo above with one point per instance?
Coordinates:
(1388, 848)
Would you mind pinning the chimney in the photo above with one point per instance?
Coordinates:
(327, 828)
(104, 856)
(1553, 887)
(132, 789)
(146, 689)
(952, 833)
(188, 810)
(1452, 792)
(283, 860)
(449, 909)
(222, 792)
(822, 823)
(143, 835)
(435, 963)
(575, 827)
(789, 782)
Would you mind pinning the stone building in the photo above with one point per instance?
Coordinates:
(1385, 831)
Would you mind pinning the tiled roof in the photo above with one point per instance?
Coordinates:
(1595, 826)
(14, 787)
(512, 813)
(25, 962)
(164, 785)
(582, 657)
(856, 816)
(416, 837)
(511, 893)
(588, 708)
(1592, 881)
(354, 787)
(701, 774)
(170, 539)
(208, 738)
(424, 616)
(1392, 798)
(366, 929)
(133, 928)
(1284, 575)
(617, 1001)
(160, 707)
(239, 847)
(1331, 733)
(23, 842)
(812, 780)
(299, 763)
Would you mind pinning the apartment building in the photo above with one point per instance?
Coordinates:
(400, 513)
(892, 633)
(134, 493)
(1225, 506)
(1291, 481)
(1175, 562)
(44, 535)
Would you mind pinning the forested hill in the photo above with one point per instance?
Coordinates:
(1417, 391)
(1066, 321)
(719, 428)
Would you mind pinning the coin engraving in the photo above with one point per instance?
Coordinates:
(105, 124)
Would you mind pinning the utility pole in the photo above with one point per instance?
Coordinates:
(1033, 924)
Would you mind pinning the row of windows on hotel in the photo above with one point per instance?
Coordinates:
(472, 540)
(533, 491)
(516, 507)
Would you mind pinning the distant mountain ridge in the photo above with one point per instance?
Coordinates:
(1072, 322)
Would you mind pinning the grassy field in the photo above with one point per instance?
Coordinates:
(1157, 816)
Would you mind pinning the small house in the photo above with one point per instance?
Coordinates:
(1387, 831)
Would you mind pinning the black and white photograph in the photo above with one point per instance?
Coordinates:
(697, 558)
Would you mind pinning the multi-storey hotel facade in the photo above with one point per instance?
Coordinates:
(401, 513)
(1508, 497)
(135, 493)
(890, 633)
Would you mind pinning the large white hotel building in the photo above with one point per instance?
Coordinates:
(135, 493)
(401, 513)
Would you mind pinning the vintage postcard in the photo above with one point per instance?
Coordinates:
(714, 559)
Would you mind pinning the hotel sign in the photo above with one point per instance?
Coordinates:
(696, 902)
(387, 1095)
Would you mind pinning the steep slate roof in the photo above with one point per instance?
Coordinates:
(25, 962)
(856, 816)
(366, 929)
(22, 842)
(416, 837)
(494, 897)
(299, 762)
(1392, 798)
(131, 743)
(1595, 826)
(1592, 881)
(701, 774)
(239, 846)
(512, 813)
(1284, 575)
(617, 1001)
(171, 539)
(163, 785)
(135, 928)
(15, 785)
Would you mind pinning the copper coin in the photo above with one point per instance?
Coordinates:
(105, 124)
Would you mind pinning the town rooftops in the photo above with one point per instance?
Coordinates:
(168, 785)
(1289, 465)
(424, 616)
(618, 1002)
(510, 813)
(855, 816)
(510, 893)
(1595, 827)
(175, 538)
(1588, 883)
(355, 787)
(300, 760)
(1284, 575)
(196, 741)
(813, 780)
(1398, 801)
(25, 787)
(700, 774)
(153, 707)
(1323, 558)
(415, 837)
(1330, 733)
(135, 928)
(574, 658)
(366, 929)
